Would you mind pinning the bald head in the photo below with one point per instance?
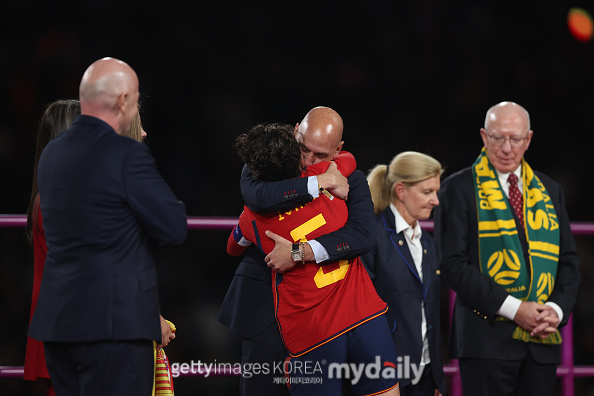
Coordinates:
(505, 113)
(109, 91)
(506, 135)
(319, 135)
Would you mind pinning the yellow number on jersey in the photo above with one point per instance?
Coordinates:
(321, 279)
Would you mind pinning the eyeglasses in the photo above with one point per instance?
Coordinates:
(514, 141)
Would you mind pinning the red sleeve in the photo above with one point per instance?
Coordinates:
(233, 248)
(238, 243)
(346, 163)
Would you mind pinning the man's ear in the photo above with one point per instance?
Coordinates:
(484, 136)
(528, 139)
(338, 150)
(122, 102)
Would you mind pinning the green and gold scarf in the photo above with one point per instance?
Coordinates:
(501, 256)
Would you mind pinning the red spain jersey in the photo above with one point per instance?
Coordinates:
(313, 303)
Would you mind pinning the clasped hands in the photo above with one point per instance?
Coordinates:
(539, 319)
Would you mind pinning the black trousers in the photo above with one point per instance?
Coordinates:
(266, 350)
(523, 377)
(425, 387)
(101, 368)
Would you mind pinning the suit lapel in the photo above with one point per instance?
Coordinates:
(399, 242)
(426, 263)
(404, 251)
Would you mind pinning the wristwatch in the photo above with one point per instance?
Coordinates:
(296, 252)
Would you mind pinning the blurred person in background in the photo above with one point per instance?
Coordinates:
(57, 117)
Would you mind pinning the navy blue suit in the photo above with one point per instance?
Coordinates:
(104, 208)
(396, 280)
(248, 306)
(475, 332)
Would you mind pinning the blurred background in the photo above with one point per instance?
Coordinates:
(404, 75)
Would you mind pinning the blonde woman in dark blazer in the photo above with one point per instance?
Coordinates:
(404, 269)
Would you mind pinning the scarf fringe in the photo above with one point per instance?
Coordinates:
(522, 335)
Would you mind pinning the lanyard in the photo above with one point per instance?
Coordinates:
(425, 285)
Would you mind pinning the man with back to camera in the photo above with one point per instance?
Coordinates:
(506, 248)
(104, 206)
(248, 306)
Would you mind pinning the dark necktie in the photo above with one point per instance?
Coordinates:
(515, 197)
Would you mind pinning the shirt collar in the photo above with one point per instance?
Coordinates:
(402, 225)
(504, 176)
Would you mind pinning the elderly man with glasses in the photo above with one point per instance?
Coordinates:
(506, 248)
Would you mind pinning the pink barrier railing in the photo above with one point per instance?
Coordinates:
(567, 371)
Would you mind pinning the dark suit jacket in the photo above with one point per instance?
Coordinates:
(394, 274)
(248, 306)
(104, 205)
(475, 334)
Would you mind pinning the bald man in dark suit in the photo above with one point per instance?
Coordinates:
(105, 207)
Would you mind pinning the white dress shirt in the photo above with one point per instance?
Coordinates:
(510, 306)
(413, 239)
(319, 252)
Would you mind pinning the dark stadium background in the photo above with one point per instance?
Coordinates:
(404, 75)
